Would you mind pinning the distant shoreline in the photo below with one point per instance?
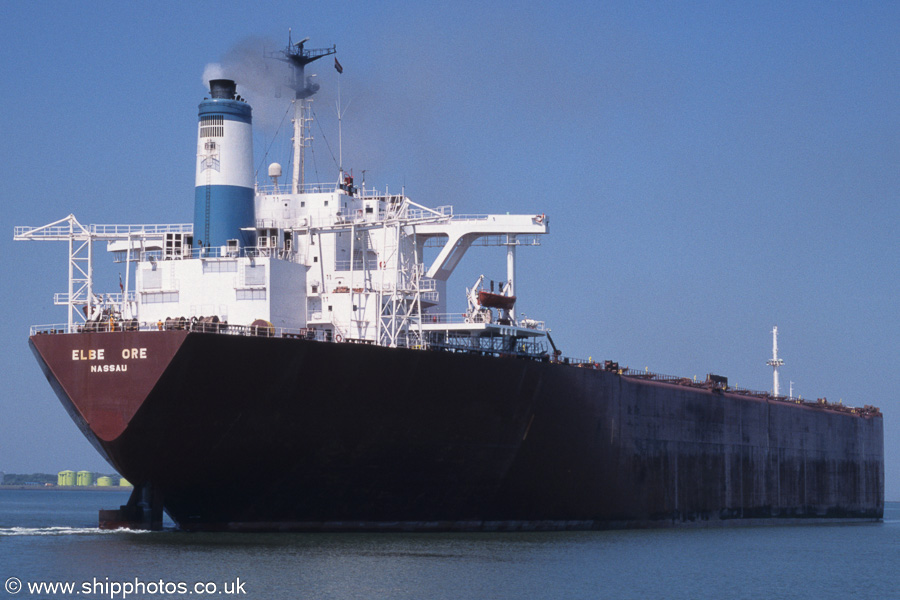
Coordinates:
(69, 488)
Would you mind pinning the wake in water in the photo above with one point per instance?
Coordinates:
(10, 531)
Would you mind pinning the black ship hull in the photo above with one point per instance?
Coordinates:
(234, 432)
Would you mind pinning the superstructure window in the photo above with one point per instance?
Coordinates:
(251, 294)
(254, 275)
(159, 297)
(152, 278)
(220, 266)
(212, 126)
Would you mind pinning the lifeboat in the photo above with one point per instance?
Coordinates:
(492, 300)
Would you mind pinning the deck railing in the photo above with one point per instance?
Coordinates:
(712, 383)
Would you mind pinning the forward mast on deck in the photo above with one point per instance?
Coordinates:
(775, 363)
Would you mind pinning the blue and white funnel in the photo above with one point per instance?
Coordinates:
(223, 200)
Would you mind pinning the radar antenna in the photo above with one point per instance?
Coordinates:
(298, 57)
(304, 87)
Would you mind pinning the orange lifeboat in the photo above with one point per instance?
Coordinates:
(492, 300)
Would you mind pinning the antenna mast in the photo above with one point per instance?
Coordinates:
(304, 87)
(775, 362)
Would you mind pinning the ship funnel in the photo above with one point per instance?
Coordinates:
(224, 189)
(222, 89)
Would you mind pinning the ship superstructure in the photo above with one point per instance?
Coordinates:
(329, 261)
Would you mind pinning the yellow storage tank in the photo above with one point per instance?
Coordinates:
(124, 483)
(84, 479)
(66, 478)
(104, 481)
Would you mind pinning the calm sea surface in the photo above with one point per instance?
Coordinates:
(48, 536)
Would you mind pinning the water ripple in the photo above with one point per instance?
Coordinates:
(58, 531)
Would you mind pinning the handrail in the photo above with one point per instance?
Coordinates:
(102, 230)
(464, 318)
(327, 336)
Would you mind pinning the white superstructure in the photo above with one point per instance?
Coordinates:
(347, 263)
(330, 261)
(344, 264)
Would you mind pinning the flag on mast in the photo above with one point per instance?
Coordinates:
(337, 66)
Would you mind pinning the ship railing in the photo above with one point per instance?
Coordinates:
(62, 298)
(466, 319)
(358, 265)
(183, 324)
(524, 349)
(471, 217)
(646, 374)
(150, 230)
(306, 188)
(54, 328)
(359, 216)
(444, 319)
(427, 289)
(328, 188)
(213, 252)
(445, 211)
(426, 284)
(715, 383)
(420, 213)
(106, 231)
(315, 221)
(520, 239)
(532, 350)
(194, 324)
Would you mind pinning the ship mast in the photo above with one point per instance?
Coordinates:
(301, 121)
(304, 87)
(775, 362)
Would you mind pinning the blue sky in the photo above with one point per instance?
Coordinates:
(709, 169)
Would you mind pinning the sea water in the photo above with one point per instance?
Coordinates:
(50, 537)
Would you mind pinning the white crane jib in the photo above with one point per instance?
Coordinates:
(464, 231)
(80, 240)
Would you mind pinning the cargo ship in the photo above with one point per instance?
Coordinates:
(288, 362)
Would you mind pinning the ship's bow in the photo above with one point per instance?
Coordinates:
(102, 379)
